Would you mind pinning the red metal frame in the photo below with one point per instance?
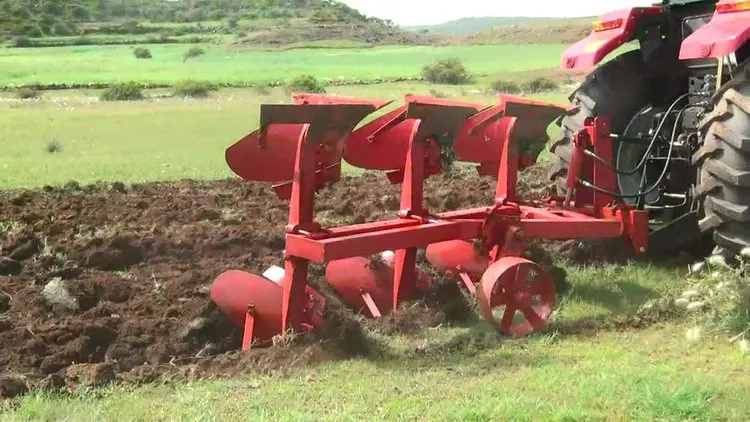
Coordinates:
(588, 52)
(728, 30)
(502, 226)
(416, 228)
(722, 36)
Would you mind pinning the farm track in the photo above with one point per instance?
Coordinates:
(110, 283)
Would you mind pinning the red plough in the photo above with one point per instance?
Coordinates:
(300, 147)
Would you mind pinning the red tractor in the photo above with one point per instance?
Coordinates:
(679, 107)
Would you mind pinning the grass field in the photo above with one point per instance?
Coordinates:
(93, 64)
(163, 139)
(608, 377)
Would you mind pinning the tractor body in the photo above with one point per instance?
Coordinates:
(679, 108)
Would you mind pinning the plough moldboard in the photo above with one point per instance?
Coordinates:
(299, 147)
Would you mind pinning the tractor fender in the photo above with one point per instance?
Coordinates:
(586, 53)
(725, 33)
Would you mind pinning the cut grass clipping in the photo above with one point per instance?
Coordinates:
(716, 302)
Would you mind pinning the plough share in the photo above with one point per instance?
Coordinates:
(299, 147)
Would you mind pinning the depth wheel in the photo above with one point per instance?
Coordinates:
(516, 287)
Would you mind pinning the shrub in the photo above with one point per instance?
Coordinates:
(539, 85)
(32, 31)
(27, 94)
(193, 52)
(22, 42)
(62, 29)
(194, 89)
(306, 84)
(507, 87)
(446, 71)
(53, 147)
(142, 53)
(129, 91)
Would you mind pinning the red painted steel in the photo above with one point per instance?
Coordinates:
(516, 120)
(510, 284)
(401, 143)
(456, 257)
(268, 154)
(355, 277)
(245, 297)
(588, 52)
(722, 36)
(424, 281)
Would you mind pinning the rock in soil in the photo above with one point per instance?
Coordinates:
(27, 249)
(12, 386)
(58, 298)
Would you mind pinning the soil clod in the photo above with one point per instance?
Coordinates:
(5, 301)
(90, 374)
(12, 386)
(10, 267)
(27, 249)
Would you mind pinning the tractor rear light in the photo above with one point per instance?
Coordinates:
(737, 6)
(600, 26)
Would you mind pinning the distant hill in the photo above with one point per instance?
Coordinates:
(467, 26)
(251, 22)
(542, 30)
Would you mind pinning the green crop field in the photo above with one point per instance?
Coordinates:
(95, 64)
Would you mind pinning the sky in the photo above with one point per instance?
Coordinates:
(430, 12)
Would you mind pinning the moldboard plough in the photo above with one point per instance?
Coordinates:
(299, 147)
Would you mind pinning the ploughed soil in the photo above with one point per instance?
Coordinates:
(110, 283)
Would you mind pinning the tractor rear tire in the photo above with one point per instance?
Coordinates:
(617, 90)
(724, 161)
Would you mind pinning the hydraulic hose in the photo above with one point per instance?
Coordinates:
(653, 187)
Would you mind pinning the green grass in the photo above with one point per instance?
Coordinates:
(610, 377)
(163, 139)
(648, 375)
(94, 64)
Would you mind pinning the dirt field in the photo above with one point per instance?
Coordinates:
(111, 283)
